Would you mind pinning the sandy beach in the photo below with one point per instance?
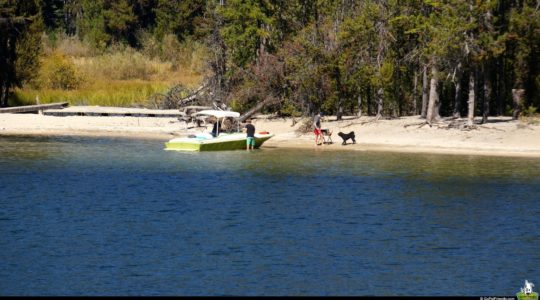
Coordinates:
(501, 136)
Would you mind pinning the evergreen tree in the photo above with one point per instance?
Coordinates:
(524, 41)
(20, 44)
(178, 17)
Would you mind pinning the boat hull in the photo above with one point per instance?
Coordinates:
(218, 144)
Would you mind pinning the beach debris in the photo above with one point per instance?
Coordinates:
(179, 96)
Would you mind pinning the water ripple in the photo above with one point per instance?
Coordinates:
(83, 216)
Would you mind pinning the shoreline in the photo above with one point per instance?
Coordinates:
(360, 147)
(502, 137)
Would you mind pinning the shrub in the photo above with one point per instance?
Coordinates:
(150, 46)
(305, 127)
(529, 111)
(59, 72)
(171, 50)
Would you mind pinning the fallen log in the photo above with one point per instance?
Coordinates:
(258, 107)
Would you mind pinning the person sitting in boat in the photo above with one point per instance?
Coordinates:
(216, 129)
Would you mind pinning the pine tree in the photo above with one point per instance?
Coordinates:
(20, 44)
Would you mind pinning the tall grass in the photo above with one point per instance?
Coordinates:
(114, 93)
(120, 76)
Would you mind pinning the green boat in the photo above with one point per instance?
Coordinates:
(234, 141)
(223, 141)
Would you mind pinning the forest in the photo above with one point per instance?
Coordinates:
(383, 58)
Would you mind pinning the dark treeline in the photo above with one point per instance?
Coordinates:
(376, 57)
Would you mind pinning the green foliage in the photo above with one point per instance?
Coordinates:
(28, 50)
(20, 44)
(119, 18)
(106, 22)
(310, 55)
(178, 17)
(237, 105)
(524, 32)
(52, 12)
(245, 29)
(92, 24)
(289, 109)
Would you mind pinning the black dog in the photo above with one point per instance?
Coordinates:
(346, 137)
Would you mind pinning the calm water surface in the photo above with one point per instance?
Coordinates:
(92, 216)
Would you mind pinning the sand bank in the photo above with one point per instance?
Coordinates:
(501, 136)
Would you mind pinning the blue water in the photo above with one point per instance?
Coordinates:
(94, 216)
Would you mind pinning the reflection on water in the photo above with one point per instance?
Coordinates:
(91, 216)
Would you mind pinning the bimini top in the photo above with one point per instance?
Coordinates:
(218, 113)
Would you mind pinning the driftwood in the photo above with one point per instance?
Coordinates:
(173, 97)
(194, 95)
(415, 124)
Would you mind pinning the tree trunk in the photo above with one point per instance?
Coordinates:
(415, 105)
(424, 92)
(433, 104)
(380, 93)
(517, 98)
(3, 95)
(487, 96)
(470, 109)
(499, 86)
(339, 114)
(457, 98)
(359, 105)
(369, 101)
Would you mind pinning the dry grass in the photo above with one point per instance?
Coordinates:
(103, 93)
(121, 76)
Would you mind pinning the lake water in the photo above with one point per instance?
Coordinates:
(96, 216)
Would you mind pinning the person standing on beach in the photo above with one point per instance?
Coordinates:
(317, 128)
(250, 131)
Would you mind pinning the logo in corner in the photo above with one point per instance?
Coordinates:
(527, 292)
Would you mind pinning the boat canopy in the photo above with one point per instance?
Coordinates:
(218, 113)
